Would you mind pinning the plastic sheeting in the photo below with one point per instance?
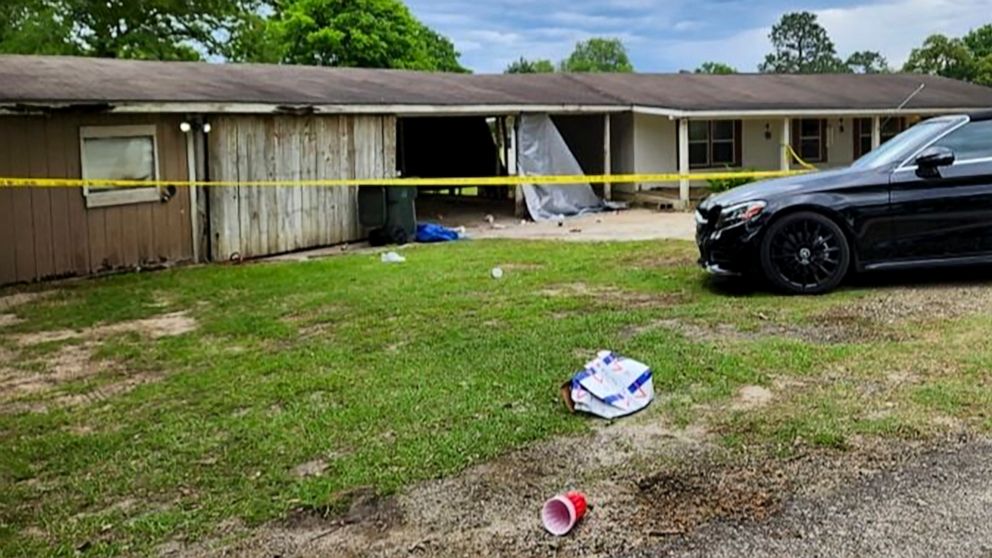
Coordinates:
(542, 151)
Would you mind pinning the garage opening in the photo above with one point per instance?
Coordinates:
(484, 146)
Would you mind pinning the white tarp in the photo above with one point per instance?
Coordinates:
(542, 151)
(612, 386)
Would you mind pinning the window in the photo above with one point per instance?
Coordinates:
(714, 143)
(810, 139)
(891, 127)
(119, 153)
(971, 141)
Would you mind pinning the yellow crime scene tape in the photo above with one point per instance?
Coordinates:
(574, 179)
(10, 182)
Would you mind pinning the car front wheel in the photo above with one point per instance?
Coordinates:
(805, 253)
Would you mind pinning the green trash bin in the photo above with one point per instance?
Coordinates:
(390, 213)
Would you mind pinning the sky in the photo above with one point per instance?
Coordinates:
(673, 35)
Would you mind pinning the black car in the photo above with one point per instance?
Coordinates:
(922, 199)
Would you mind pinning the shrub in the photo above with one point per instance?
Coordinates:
(718, 185)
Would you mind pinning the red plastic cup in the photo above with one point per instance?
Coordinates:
(561, 513)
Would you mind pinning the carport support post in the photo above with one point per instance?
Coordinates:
(876, 132)
(784, 155)
(607, 156)
(683, 163)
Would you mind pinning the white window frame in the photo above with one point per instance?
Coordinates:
(105, 198)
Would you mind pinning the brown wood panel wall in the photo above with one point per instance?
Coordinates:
(252, 222)
(47, 233)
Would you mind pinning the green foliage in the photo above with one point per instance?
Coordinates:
(802, 46)
(867, 62)
(979, 41)
(524, 66)
(149, 29)
(968, 59)
(717, 185)
(941, 55)
(361, 33)
(598, 55)
(715, 68)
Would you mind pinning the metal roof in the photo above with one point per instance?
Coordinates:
(60, 80)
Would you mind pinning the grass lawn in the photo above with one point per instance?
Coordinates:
(289, 384)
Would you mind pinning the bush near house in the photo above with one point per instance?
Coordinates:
(717, 185)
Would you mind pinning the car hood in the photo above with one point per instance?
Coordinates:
(769, 190)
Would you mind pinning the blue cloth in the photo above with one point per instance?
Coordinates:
(429, 232)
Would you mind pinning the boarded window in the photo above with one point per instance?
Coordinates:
(714, 143)
(119, 153)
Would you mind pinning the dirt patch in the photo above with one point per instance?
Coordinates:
(684, 498)
(910, 304)
(645, 481)
(492, 509)
(166, 325)
(820, 334)
(520, 266)
(7, 320)
(39, 337)
(313, 468)
(18, 299)
(752, 397)
(613, 296)
(75, 362)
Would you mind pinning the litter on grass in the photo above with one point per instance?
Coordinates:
(392, 257)
(430, 232)
(609, 386)
(560, 514)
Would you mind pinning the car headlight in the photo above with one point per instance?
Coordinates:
(740, 213)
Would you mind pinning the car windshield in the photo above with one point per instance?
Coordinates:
(903, 145)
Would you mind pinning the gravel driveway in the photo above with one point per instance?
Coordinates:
(939, 504)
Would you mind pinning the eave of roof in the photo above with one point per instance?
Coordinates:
(43, 83)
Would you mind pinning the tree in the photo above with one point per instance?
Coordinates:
(802, 46)
(979, 41)
(524, 66)
(715, 68)
(153, 29)
(361, 33)
(31, 27)
(867, 62)
(942, 56)
(598, 55)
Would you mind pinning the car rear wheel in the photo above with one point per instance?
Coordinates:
(805, 253)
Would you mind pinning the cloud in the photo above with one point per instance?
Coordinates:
(895, 28)
(669, 35)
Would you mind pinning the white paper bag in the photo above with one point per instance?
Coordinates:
(611, 386)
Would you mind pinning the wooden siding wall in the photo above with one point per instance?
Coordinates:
(49, 232)
(258, 221)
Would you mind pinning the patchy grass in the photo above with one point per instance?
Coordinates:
(200, 396)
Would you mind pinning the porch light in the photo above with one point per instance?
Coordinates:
(185, 127)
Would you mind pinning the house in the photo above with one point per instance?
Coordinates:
(178, 121)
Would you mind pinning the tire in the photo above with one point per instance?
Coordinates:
(805, 253)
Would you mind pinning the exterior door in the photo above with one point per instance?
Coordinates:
(950, 215)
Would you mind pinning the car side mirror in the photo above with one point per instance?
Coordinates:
(931, 159)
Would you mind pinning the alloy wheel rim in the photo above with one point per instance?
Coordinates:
(806, 254)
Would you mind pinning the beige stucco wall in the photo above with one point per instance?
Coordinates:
(840, 145)
(757, 152)
(654, 146)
